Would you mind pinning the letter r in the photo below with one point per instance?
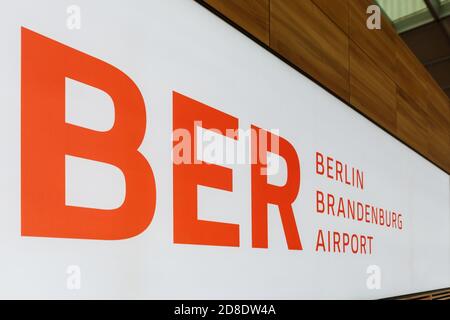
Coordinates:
(264, 193)
(47, 138)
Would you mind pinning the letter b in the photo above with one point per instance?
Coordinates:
(47, 138)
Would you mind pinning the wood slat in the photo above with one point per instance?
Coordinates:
(251, 15)
(442, 294)
(371, 90)
(304, 35)
(426, 296)
(440, 291)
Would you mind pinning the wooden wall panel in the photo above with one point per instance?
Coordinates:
(336, 10)
(410, 76)
(412, 122)
(373, 70)
(304, 35)
(251, 15)
(372, 91)
(379, 45)
(438, 110)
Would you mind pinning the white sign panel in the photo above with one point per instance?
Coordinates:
(149, 150)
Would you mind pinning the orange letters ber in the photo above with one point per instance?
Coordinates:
(46, 139)
(264, 193)
(187, 228)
